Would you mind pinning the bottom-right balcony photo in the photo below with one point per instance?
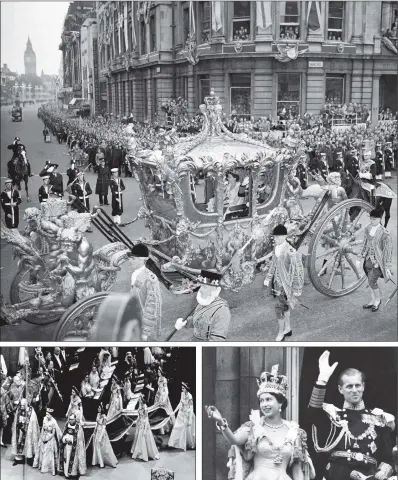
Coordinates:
(299, 413)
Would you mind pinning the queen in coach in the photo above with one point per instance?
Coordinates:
(267, 447)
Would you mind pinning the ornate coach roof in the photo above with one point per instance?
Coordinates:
(214, 148)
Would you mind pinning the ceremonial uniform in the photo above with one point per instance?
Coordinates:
(82, 191)
(44, 193)
(57, 184)
(379, 162)
(72, 173)
(210, 323)
(146, 286)
(322, 165)
(11, 212)
(286, 272)
(377, 252)
(117, 187)
(352, 169)
(102, 185)
(388, 160)
(354, 438)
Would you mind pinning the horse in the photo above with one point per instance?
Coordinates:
(21, 171)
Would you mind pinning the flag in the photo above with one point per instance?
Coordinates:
(126, 32)
(263, 16)
(192, 28)
(133, 37)
(314, 17)
(216, 17)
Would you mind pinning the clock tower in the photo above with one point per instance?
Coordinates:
(30, 59)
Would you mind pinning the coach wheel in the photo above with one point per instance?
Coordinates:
(335, 246)
(77, 322)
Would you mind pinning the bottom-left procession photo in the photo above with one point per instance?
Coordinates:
(108, 413)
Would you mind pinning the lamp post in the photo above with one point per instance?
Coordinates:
(23, 92)
(29, 97)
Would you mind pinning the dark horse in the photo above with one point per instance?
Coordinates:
(380, 196)
(19, 169)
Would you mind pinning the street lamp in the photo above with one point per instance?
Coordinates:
(29, 91)
(23, 91)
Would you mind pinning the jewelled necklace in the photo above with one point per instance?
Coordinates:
(273, 427)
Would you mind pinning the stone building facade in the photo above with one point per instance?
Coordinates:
(70, 46)
(152, 51)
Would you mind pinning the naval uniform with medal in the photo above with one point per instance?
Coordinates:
(355, 438)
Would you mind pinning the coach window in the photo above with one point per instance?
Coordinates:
(335, 21)
(237, 187)
(289, 20)
(288, 100)
(334, 91)
(240, 95)
(241, 21)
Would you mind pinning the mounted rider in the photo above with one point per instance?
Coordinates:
(16, 144)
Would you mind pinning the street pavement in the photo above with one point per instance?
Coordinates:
(253, 317)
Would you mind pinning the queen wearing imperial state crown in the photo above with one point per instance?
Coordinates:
(267, 447)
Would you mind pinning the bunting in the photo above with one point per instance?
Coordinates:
(314, 17)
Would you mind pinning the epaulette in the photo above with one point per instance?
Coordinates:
(379, 418)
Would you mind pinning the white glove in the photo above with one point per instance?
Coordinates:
(325, 370)
(180, 323)
(266, 282)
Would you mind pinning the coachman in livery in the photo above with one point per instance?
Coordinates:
(356, 439)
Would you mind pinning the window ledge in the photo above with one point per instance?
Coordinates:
(284, 40)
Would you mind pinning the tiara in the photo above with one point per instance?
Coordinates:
(271, 382)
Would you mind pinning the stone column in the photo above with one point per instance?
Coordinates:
(375, 98)
(357, 35)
